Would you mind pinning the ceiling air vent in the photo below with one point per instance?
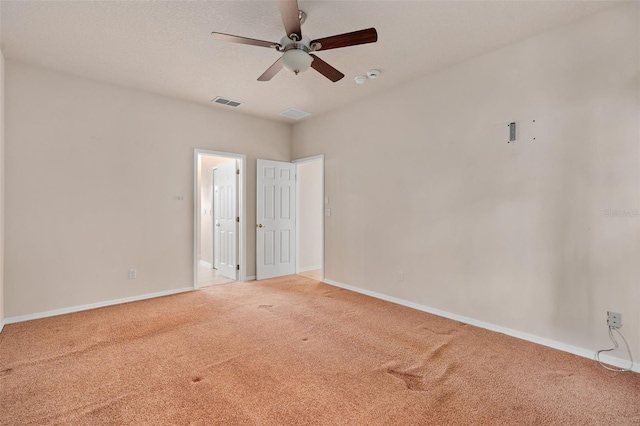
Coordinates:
(296, 114)
(224, 101)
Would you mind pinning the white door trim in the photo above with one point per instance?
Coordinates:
(299, 161)
(242, 200)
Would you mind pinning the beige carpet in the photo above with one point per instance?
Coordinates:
(293, 351)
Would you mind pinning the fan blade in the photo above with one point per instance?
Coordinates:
(370, 35)
(325, 69)
(271, 71)
(243, 40)
(290, 17)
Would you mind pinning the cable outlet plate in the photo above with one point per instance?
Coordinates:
(614, 319)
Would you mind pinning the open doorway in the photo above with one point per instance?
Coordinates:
(219, 206)
(310, 217)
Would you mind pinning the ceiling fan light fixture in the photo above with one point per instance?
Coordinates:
(296, 60)
(297, 50)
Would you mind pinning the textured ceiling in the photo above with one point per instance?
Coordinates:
(165, 47)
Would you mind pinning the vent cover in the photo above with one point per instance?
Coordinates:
(294, 113)
(224, 101)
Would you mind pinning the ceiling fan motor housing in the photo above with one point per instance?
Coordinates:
(296, 54)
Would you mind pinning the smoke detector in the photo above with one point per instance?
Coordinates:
(360, 79)
(373, 73)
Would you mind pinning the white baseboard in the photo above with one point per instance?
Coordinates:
(1, 325)
(586, 353)
(251, 278)
(206, 264)
(72, 309)
(309, 268)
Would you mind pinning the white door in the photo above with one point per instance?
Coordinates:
(226, 224)
(276, 219)
(216, 218)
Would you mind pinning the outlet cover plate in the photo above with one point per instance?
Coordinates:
(614, 319)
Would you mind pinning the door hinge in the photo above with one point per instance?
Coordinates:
(238, 219)
(237, 171)
(237, 267)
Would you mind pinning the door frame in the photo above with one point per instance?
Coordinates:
(296, 162)
(242, 210)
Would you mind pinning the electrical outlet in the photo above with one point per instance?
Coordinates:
(133, 274)
(614, 319)
(400, 276)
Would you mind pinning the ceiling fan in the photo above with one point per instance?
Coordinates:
(297, 49)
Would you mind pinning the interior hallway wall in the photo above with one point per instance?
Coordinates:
(309, 180)
(541, 236)
(110, 164)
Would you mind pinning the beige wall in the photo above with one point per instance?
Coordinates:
(92, 179)
(1, 188)
(421, 179)
(309, 180)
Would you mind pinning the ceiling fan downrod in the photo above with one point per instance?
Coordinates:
(302, 16)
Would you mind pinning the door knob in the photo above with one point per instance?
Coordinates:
(260, 226)
(217, 224)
